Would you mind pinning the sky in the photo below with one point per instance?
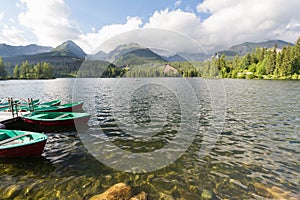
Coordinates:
(178, 25)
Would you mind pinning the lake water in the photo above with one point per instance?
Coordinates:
(173, 138)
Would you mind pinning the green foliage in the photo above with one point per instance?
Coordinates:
(261, 67)
(186, 69)
(146, 71)
(99, 69)
(3, 72)
(261, 63)
(29, 71)
(249, 76)
(16, 72)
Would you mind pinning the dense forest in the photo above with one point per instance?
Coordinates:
(261, 63)
(27, 71)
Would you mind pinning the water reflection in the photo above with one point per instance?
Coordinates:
(255, 157)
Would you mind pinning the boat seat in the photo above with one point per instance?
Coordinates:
(62, 116)
(14, 142)
(13, 138)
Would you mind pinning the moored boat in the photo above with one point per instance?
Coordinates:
(55, 102)
(54, 119)
(33, 102)
(7, 103)
(21, 143)
(69, 107)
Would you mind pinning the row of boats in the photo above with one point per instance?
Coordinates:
(40, 116)
(36, 105)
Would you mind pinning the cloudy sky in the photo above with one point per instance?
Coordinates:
(211, 24)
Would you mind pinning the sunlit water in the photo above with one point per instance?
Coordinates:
(256, 156)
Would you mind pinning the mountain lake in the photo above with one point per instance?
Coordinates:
(173, 138)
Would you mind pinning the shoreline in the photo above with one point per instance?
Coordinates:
(265, 77)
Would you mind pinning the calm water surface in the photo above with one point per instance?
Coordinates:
(256, 155)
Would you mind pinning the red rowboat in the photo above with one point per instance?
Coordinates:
(54, 119)
(68, 107)
(21, 143)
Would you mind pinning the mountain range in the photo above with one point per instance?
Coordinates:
(9, 51)
(70, 55)
(131, 53)
(248, 47)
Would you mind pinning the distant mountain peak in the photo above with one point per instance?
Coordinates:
(128, 46)
(138, 56)
(266, 44)
(175, 58)
(70, 48)
(69, 44)
(124, 48)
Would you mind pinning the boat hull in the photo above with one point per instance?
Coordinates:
(26, 150)
(68, 122)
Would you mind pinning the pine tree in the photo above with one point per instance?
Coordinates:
(297, 48)
(236, 62)
(286, 66)
(277, 70)
(16, 72)
(246, 62)
(38, 70)
(24, 70)
(296, 59)
(3, 73)
(224, 69)
(47, 70)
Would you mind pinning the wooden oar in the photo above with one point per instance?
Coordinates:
(62, 116)
(13, 138)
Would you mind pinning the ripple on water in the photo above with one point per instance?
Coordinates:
(256, 155)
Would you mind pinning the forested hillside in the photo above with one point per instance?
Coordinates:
(262, 63)
(42, 70)
(267, 63)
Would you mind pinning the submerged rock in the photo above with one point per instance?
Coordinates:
(119, 191)
(206, 194)
(9, 191)
(163, 196)
(273, 192)
(140, 196)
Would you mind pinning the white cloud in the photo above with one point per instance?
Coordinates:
(186, 24)
(234, 21)
(49, 21)
(166, 30)
(11, 35)
(90, 41)
(183, 22)
(171, 31)
(229, 22)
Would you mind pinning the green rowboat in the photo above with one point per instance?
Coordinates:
(69, 107)
(56, 118)
(21, 143)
